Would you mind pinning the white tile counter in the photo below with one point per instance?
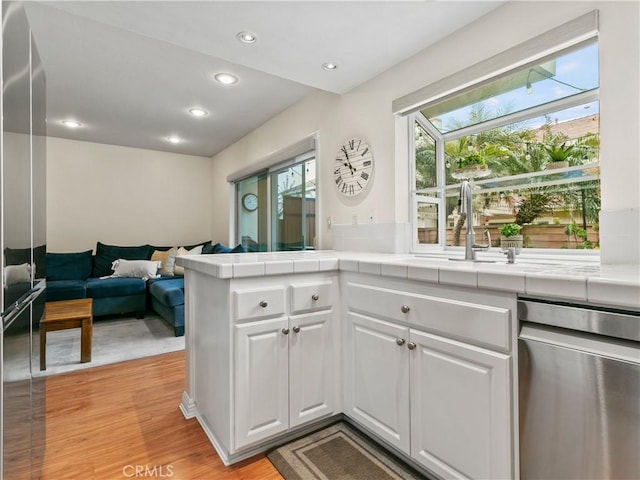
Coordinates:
(615, 285)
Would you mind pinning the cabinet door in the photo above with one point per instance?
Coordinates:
(261, 394)
(460, 408)
(377, 377)
(310, 367)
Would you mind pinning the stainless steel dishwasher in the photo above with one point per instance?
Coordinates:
(579, 388)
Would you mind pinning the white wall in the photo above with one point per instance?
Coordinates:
(366, 111)
(124, 196)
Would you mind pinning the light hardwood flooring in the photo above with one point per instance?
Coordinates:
(104, 422)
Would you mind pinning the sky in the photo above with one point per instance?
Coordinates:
(575, 69)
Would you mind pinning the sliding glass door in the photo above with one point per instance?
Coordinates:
(276, 208)
(252, 205)
(293, 218)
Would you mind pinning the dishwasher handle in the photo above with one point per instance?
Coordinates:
(618, 324)
(616, 349)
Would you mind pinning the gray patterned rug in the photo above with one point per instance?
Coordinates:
(337, 452)
(114, 340)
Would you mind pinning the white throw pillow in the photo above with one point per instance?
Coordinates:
(144, 269)
(182, 252)
(17, 274)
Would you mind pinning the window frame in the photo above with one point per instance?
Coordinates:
(414, 117)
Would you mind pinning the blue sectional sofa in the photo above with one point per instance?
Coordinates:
(78, 275)
(85, 275)
(166, 297)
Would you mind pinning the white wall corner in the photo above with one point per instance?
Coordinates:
(620, 236)
(372, 237)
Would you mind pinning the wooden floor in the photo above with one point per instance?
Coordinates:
(104, 422)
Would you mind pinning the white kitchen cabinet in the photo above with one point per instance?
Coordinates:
(261, 373)
(413, 378)
(377, 377)
(283, 371)
(265, 358)
(311, 367)
(459, 408)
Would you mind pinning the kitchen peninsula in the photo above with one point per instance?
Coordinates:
(419, 352)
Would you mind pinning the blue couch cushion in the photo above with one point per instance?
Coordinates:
(65, 290)
(168, 292)
(114, 287)
(69, 266)
(106, 254)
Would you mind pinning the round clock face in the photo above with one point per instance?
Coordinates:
(353, 167)
(250, 202)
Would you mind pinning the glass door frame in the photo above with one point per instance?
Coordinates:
(271, 201)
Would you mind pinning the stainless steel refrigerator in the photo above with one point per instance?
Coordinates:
(22, 245)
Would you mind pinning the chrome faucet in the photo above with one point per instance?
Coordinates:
(466, 208)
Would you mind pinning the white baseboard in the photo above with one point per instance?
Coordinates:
(188, 406)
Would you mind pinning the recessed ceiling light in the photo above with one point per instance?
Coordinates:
(71, 123)
(329, 66)
(198, 112)
(174, 139)
(226, 78)
(247, 37)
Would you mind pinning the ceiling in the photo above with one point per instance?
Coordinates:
(130, 71)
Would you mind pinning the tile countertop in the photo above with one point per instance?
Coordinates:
(616, 285)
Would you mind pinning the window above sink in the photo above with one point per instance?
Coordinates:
(527, 137)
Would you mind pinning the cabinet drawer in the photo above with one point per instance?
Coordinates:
(311, 296)
(258, 303)
(470, 322)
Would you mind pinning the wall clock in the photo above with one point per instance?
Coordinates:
(353, 169)
(250, 202)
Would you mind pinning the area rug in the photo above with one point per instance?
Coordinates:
(114, 340)
(337, 452)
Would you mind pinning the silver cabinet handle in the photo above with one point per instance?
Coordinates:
(296, 329)
(263, 304)
(405, 309)
(411, 346)
(400, 341)
(285, 331)
(315, 297)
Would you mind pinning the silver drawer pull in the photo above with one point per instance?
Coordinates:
(315, 297)
(400, 341)
(405, 309)
(263, 304)
(296, 329)
(411, 346)
(285, 331)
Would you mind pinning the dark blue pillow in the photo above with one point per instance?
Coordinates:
(69, 266)
(106, 254)
(219, 248)
(238, 249)
(208, 249)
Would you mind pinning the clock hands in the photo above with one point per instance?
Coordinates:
(354, 156)
(352, 169)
